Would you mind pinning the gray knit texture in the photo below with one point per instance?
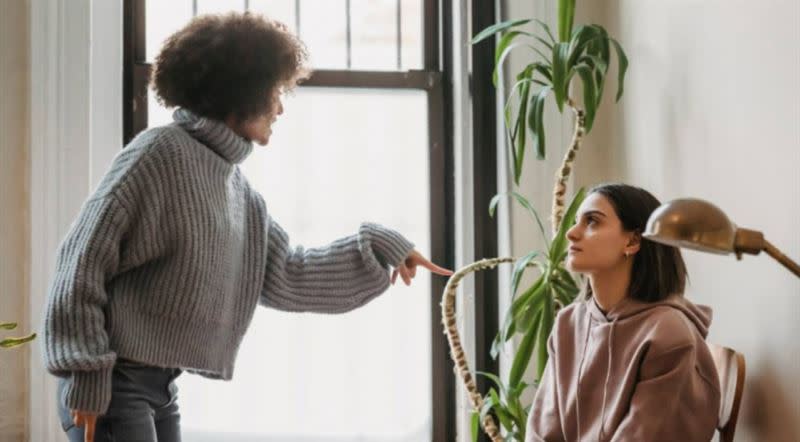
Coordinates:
(169, 257)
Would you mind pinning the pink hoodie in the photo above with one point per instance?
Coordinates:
(642, 372)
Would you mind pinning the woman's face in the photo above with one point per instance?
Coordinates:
(259, 129)
(597, 241)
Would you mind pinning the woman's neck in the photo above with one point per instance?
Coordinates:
(611, 287)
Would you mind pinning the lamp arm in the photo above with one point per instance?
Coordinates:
(781, 258)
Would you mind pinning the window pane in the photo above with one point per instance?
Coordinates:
(219, 6)
(375, 34)
(280, 10)
(374, 31)
(411, 31)
(324, 31)
(163, 18)
(323, 28)
(337, 157)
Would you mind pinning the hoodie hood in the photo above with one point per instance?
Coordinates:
(629, 309)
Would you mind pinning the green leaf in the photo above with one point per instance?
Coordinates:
(548, 316)
(559, 291)
(546, 43)
(529, 298)
(560, 72)
(8, 325)
(523, 356)
(599, 68)
(526, 317)
(579, 41)
(488, 403)
(536, 121)
(498, 27)
(514, 406)
(519, 154)
(502, 415)
(545, 70)
(496, 380)
(527, 205)
(559, 244)
(475, 421)
(568, 279)
(517, 390)
(600, 48)
(562, 292)
(519, 269)
(589, 92)
(493, 203)
(509, 325)
(503, 49)
(13, 342)
(623, 67)
(545, 58)
(566, 16)
(546, 29)
(517, 88)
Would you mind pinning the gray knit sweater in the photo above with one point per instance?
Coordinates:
(171, 254)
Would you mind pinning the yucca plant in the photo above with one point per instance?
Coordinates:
(579, 54)
(13, 342)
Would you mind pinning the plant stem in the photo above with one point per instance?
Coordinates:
(454, 339)
(560, 188)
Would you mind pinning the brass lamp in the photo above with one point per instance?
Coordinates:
(696, 224)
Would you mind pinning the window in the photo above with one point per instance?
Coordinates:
(363, 139)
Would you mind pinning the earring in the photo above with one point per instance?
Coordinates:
(626, 255)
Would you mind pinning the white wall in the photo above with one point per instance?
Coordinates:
(711, 110)
(14, 214)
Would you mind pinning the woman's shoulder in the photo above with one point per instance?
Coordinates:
(569, 318)
(158, 140)
(150, 156)
(669, 329)
(571, 312)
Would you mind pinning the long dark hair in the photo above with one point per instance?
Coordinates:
(658, 269)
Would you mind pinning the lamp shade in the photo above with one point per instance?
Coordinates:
(692, 223)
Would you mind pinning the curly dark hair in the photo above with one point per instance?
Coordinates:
(225, 65)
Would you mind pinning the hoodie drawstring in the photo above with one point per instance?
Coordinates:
(580, 374)
(602, 434)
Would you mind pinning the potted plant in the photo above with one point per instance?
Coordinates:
(580, 55)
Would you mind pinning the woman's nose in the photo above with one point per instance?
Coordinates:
(572, 233)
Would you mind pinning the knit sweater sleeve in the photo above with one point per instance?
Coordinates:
(336, 278)
(75, 343)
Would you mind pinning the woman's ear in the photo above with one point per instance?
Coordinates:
(634, 243)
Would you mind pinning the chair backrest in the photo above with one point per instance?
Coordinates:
(731, 371)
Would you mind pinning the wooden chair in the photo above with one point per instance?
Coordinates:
(731, 371)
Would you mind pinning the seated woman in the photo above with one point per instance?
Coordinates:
(628, 362)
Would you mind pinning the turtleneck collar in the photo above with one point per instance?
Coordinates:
(215, 134)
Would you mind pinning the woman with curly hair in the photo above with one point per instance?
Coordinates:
(168, 258)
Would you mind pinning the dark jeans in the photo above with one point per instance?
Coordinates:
(143, 407)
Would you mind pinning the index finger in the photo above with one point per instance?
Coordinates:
(434, 268)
